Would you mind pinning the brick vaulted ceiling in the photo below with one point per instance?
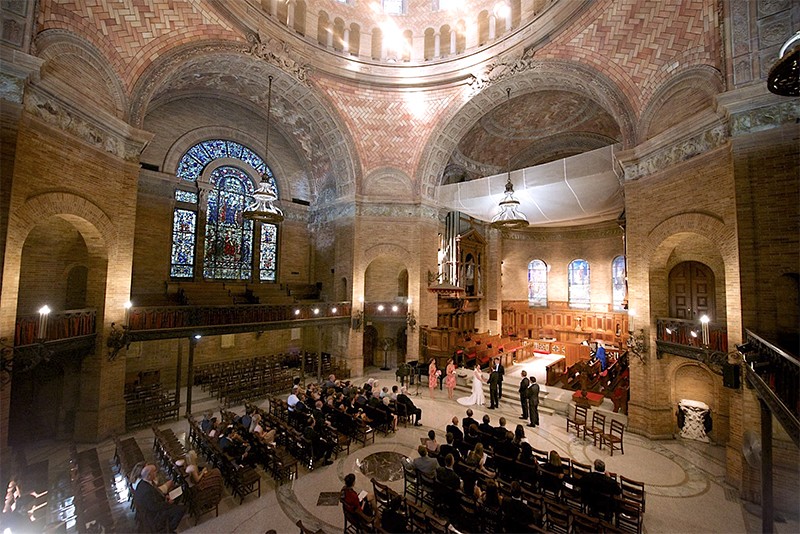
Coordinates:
(357, 109)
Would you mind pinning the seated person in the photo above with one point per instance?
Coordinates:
(447, 476)
(320, 447)
(385, 406)
(411, 408)
(431, 444)
(452, 428)
(516, 514)
(486, 426)
(425, 464)
(468, 421)
(477, 458)
(449, 448)
(362, 507)
(598, 491)
(157, 511)
(506, 447)
(190, 467)
(552, 473)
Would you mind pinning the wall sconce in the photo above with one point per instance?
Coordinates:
(411, 321)
(21, 360)
(637, 344)
(117, 340)
(41, 332)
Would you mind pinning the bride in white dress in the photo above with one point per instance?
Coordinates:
(477, 397)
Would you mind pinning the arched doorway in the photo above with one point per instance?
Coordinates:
(691, 291)
(76, 288)
(36, 401)
(370, 345)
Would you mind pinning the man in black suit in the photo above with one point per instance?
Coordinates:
(494, 384)
(500, 371)
(468, 421)
(449, 448)
(598, 491)
(533, 402)
(157, 511)
(486, 427)
(411, 409)
(517, 516)
(452, 428)
(523, 394)
(447, 476)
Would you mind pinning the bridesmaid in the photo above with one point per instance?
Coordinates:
(433, 377)
(450, 378)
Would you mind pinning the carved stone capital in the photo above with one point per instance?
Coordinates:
(60, 108)
(15, 68)
(708, 131)
(277, 53)
(754, 109)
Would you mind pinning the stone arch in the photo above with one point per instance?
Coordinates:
(669, 106)
(317, 128)
(387, 183)
(534, 76)
(693, 381)
(389, 250)
(57, 47)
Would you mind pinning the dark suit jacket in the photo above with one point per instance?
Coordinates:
(533, 394)
(486, 428)
(494, 378)
(517, 515)
(458, 435)
(501, 371)
(523, 386)
(448, 477)
(151, 505)
(403, 399)
(468, 422)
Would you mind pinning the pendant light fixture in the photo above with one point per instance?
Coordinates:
(261, 208)
(509, 217)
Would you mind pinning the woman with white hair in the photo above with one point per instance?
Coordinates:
(193, 471)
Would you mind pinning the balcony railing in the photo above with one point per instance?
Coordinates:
(775, 375)
(57, 326)
(690, 334)
(178, 317)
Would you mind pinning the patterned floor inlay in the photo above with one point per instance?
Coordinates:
(384, 466)
(328, 498)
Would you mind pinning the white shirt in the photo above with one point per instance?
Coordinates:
(292, 401)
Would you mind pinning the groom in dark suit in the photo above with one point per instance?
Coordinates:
(501, 371)
(494, 382)
(523, 394)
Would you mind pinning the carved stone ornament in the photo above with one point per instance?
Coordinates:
(675, 153)
(278, 53)
(94, 131)
(505, 67)
(765, 118)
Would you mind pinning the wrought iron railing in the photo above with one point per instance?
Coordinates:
(31, 329)
(690, 334)
(770, 367)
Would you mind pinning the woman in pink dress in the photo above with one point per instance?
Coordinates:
(450, 378)
(433, 376)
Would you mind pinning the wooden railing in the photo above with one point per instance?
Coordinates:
(169, 317)
(689, 334)
(58, 325)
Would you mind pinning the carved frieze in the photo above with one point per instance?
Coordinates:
(681, 150)
(505, 67)
(277, 53)
(765, 118)
(11, 88)
(400, 211)
(117, 139)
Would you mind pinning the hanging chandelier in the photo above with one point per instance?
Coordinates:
(509, 217)
(261, 208)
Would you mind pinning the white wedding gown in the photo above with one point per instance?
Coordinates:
(477, 397)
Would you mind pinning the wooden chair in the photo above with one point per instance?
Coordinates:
(206, 495)
(632, 491)
(557, 518)
(614, 437)
(305, 530)
(596, 429)
(578, 420)
(382, 494)
(629, 517)
(411, 482)
(584, 524)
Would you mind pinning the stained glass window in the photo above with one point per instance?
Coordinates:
(196, 158)
(184, 227)
(186, 196)
(268, 263)
(618, 282)
(578, 279)
(229, 236)
(537, 283)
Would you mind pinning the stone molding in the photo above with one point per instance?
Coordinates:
(754, 109)
(277, 53)
(604, 231)
(57, 107)
(383, 210)
(704, 132)
(15, 68)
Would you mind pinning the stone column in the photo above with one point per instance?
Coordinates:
(437, 44)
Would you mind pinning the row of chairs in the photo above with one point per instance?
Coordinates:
(92, 509)
(148, 405)
(597, 429)
(234, 381)
(241, 479)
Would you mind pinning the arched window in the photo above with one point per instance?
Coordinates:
(537, 283)
(578, 279)
(618, 283)
(229, 237)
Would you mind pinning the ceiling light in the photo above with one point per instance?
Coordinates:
(261, 208)
(509, 217)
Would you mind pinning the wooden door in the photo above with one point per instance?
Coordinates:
(370, 345)
(691, 291)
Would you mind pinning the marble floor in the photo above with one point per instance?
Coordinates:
(684, 480)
